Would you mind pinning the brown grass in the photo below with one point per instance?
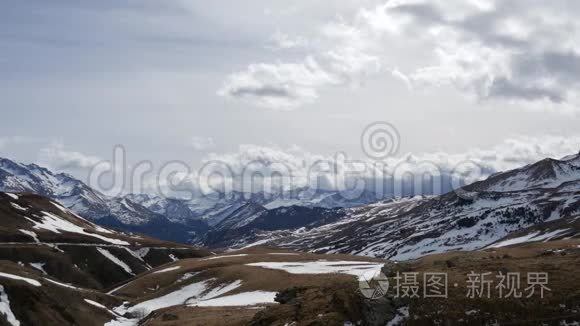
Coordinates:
(563, 301)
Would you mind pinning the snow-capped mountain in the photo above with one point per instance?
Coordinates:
(252, 219)
(216, 207)
(121, 213)
(470, 218)
(546, 174)
(211, 209)
(166, 218)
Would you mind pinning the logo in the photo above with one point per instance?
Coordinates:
(374, 288)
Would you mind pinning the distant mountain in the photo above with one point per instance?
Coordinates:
(244, 223)
(545, 174)
(473, 217)
(39, 226)
(166, 218)
(470, 218)
(119, 213)
(216, 207)
(57, 268)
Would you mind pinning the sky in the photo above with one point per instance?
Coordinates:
(188, 80)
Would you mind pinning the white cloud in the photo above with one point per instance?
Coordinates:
(254, 168)
(512, 51)
(295, 167)
(507, 51)
(340, 56)
(278, 86)
(202, 143)
(285, 86)
(57, 157)
(283, 41)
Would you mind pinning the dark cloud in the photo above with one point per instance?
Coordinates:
(534, 60)
(262, 91)
(505, 88)
(422, 12)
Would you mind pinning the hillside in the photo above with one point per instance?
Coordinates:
(41, 234)
(115, 212)
(470, 218)
(57, 268)
(469, 302)
(170, 219)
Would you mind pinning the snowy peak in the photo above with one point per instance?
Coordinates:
(241, 216)
(175, 210)
(115, 212)
(32, 218)
(572, 159)
(545, 174)
(36, 179)
(507, 202)
(71, 193)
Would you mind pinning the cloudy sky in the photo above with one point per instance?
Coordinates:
(189, 80)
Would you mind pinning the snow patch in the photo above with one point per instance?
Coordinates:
(241, 299)
(18, 207)
(171, 299)
(5, 308)
(116, 260)
(362, 270)
(216, 292)
(62, 284)
(169, 269)
(283, 253)
(121, 321)
(118, 288)
(139, 255)
(226, 256)
(532, 237)
(30, 233)
(192, 293)
(187, 276)
(56, 224)
(13, 196)
(39, 266)
(20, 278)
(98, 305)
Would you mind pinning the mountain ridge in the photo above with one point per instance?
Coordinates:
(469, 218)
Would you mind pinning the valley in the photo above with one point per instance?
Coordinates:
(296, 265)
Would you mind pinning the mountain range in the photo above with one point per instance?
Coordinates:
(539, 201)
(58, 267)
(471, 217)
(165, 218)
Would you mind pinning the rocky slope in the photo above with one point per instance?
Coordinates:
(115, 212)
(43, 235)
(470, 218)
(166, 218)
(57, 268)
(514, 302)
